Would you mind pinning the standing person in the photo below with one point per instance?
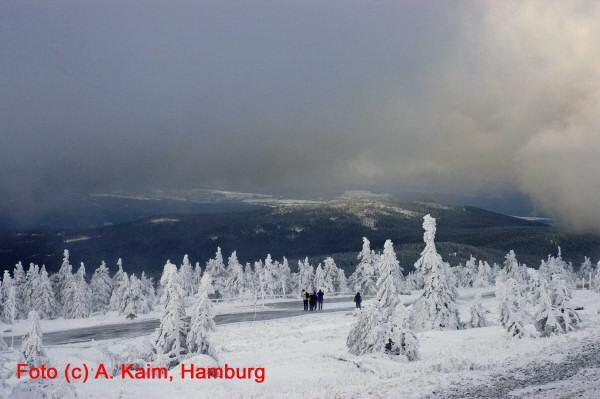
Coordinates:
(357, 300)
(312, 299)
(320, 299)
(305, 299)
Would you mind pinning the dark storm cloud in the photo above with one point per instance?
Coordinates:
(468, 98)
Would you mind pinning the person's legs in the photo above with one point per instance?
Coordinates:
(320, 305)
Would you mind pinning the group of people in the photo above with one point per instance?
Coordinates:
(312, 300)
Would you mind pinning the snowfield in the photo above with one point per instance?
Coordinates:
(306, 357)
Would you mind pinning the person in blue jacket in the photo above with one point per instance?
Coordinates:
(320, 299)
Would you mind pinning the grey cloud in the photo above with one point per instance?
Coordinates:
(473, 98)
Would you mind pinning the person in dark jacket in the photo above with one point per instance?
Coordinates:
(320, 296)
(305, 299)
(312, 300)
(357, 300)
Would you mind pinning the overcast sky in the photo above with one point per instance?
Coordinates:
(480, 99)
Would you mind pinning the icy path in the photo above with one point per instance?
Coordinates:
(574, 376)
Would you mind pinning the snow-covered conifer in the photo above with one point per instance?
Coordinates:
(469, 272)
(586, 272)
(285, 277)
(116, 297)
(31, 348)
(77, 296)
(319, 281)
(60, 279)
(383, 326)
(331, 276)
(364, 277)
(134, 301)
(197, 275)
(484, 275)
(44, 301)
(306, 274)
(513, 308)
(9, 299)
(101, 287)
(170, 339)
(202, 323)
(30, 287)
(216, 268)
(148, 290)
(19, 281)
(250, 282)
(234, 284)
(186, 274)
(436, 309)
(553, 314)
(478, 318)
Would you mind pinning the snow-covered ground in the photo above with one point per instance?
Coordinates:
(306, 357)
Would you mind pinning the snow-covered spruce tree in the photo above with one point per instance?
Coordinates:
(216, 268)
(31, 348)
(306, 275)
(341, 283)
(60, 279)
(259, 278)
(170, 339)
(364, 277)
(44, 301)
(30, 287)
(319, 281)
(469, 272)
(512, 308)
(271, 278)
(202, 323)
(586, 272)
(197, 275)
(234, 284)
(101, 287)
(186, 275)
(436, 309)
(331, 276)
(512, 267)
(250, 283)
(117, 293)
(478, 318)
(382, 327)
(596, 278)
(9, 299)
(285, 277)
(19, 281)
(77, 296)
(148, 290)
(134, 300)
(388, 261)
(484, 275)
(553, 315)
